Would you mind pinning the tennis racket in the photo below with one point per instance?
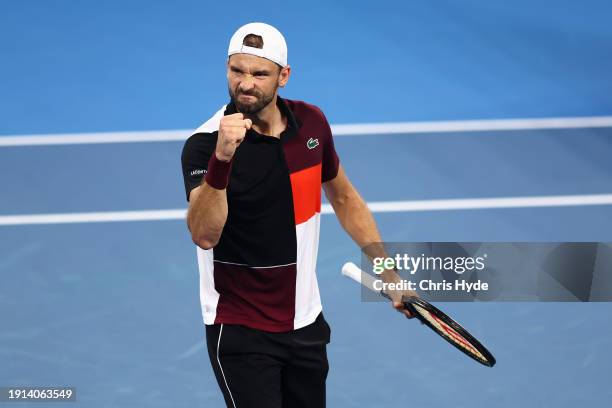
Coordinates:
(432, 317)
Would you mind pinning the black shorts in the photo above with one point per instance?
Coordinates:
(259, 369)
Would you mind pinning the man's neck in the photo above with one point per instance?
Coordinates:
(269, 121)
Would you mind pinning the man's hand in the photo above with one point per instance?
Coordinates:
(232, 130)
(391, 276)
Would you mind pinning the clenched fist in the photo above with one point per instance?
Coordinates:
(232, 130)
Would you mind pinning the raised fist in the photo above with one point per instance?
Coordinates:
(232, 130)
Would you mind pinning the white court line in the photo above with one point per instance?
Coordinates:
(338, 130)
(73, 218)
(471, 125)
(377, 207)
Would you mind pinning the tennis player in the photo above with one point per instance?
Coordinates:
(253, 175)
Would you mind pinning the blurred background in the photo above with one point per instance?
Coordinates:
(101, 293)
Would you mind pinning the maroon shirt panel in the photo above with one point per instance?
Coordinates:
(262, 298)
(313, 125)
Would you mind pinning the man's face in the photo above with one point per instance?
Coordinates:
(253, 81)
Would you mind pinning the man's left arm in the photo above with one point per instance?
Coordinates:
(357, 220)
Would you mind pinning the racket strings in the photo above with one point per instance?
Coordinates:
(449, 333)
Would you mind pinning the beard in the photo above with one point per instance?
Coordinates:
(261, 101)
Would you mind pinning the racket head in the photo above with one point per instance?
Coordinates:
(449, 330)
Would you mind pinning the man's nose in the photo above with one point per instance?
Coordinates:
(247, 82)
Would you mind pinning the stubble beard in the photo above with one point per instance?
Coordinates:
(262, 101)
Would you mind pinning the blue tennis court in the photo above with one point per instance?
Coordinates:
(112, 308)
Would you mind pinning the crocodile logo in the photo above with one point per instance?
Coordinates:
(312, 143)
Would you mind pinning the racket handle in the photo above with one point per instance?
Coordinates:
(352, 271)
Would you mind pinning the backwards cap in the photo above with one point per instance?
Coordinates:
(274, 45)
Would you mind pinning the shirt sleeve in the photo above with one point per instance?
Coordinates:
(331, 162)
(194, 159)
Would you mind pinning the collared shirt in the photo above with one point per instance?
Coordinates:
(261, 274)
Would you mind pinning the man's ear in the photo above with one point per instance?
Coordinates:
(284, 75)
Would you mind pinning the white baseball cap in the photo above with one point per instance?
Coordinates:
(274, 45)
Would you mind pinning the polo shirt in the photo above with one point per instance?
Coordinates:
(261, 273)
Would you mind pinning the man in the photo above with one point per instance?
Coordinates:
(253, 176)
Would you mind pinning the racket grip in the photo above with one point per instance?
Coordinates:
(354, 272)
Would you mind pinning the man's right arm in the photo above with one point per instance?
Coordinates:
(207, 211)
(206, 215)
